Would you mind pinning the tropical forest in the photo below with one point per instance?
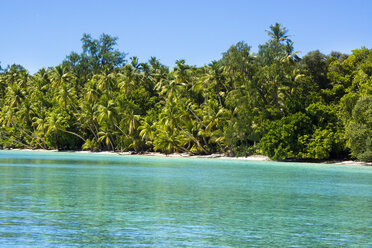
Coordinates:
(272, 102)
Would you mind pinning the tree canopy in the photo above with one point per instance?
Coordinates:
(271, 102)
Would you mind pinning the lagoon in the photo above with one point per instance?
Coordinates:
(57, 199)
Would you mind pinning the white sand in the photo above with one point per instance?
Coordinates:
(212, 156)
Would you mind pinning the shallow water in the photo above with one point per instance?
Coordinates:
(72, 199)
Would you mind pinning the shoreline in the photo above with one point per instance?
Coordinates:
(153, 154)
(211, 156)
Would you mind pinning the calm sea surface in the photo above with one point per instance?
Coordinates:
(93, 200)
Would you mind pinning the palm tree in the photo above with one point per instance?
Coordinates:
(106, 137)
(60, 75)
(40, 122)
(107, 112)
(157, 70)
(54, 122)
(16, 95)
(106, 82)
(64, 94)
(90, 144)
(87, 117)
(171, 88)
(214, 119)
(147, 130)
(212, 82)
(92, 92)
(133, 122)
(278, 33)
(106, 118)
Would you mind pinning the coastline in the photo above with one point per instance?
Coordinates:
(155, 154)
(211, 156)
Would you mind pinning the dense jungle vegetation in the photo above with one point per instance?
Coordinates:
(271, 102)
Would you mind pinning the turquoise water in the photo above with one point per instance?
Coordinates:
(94, 200)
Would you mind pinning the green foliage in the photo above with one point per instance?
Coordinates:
(315, 65)
(282, 138)
(270, 102)
(359, 130)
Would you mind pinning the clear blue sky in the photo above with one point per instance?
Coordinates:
(40, 33)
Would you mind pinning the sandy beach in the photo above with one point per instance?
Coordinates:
(211, 156)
